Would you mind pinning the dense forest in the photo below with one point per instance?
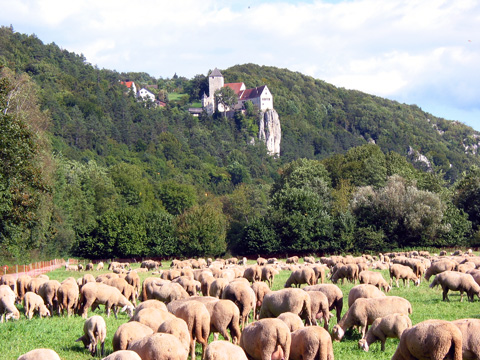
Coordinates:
(91, 171)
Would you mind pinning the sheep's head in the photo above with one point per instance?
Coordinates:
(43, 311)
(129, 309)
(337, 333)
(362, 344)
(417, 282)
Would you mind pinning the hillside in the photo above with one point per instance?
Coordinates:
(110, 161)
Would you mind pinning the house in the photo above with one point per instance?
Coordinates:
(130, 85)
(146, 95)
(260, 96)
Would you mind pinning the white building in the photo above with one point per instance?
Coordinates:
(145, 94)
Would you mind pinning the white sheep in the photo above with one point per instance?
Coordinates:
(363, 291)
(455, 281)
(224, 350)
(40, 354)
(390, 326)
(123, 355)
(292, 320)
(34, 303)
(311, 343)
(128, 332)
(159, 346)
(374, 278)
(93, 294)
(8, 310)
(470, 329)
(94, 333)
(398, 271)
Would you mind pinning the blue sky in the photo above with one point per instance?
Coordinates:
(416, 52)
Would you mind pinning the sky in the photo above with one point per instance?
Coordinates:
(423, 52)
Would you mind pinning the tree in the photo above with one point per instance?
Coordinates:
(227, 98)
(467, 195)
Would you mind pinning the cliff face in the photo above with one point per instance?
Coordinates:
(270, 131)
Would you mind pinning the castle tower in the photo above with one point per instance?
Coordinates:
(215, 82)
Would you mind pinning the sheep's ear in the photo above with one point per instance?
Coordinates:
(80, 338)
(124, 308)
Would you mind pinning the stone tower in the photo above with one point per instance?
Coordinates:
(215, 82)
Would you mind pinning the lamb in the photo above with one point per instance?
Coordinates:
(34, 303)
(364, 312)
(292, 320)
(374, 278)
(8, 309)
(178, 328)
(390, 326)
(470, 329)
(363, 291)
(93, 294)
(159, 346)
(305, 275)
(266, 339)
(268, 274)
(334, 296)
(319, 307)
(455, 281)
(403, 272)
(48, 291)
(123, 355)
(94, 333)
(440, 266)
(128, 332)
(67, 296)
(243, 296)
(197, 318)
(223, 350)
(260, 289)
(40, 354)
(152, 317)
(430, 339)
(292, 300)
(311, 343)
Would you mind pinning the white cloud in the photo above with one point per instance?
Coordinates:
(409, 50)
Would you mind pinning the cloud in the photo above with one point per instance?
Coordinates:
(413, 51)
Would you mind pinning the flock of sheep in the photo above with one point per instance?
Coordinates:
(256, 322)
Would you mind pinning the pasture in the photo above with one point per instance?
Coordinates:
(59, 334)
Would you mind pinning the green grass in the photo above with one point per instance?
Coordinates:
(19, 337)
(175, 96)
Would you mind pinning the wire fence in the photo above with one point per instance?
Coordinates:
(36, 268)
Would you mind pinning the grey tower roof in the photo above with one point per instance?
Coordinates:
(215, 72)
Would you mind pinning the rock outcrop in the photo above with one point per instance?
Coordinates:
(270, 131)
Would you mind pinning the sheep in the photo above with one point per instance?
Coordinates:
(311, 343)
(287, 300)
(217, 287)
(34, 303)
(100, 266)
(34, 284)
(292, 320)
(244, 297)
(123, 355)
(22, 283)
(363, 291)
(261, 261)
(178, 328)
(305, 275)
(390, 326)
(168, 292)
(268, 274)
(128, 332)
(159, 346)
(349, 272)
(253, 273)
(94, 333)
(430, 339)
(149, 265)
(439, 267)
(149, 286)
(67, 296)
(152, 317)
(319, 271)
(133, 279)
(8, 309)
(89, 267)
(125, 288)
(292, 260)
(150, 303)
(470, 329)
(455, 281)
(334, 296)
(260, 289)
(363, 313)
(197, 318)
(206, 281)
(223, 350)
(319, 307)
(93, 294)
(71, 267)
(9, 279)
(403, 272)
(374, 278)
(40, 354)
(48, 291)
(309, 259)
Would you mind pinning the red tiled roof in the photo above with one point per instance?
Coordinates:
(127, 83)
(252, 93)
(235, 87)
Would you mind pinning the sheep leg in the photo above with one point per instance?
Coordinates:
(445, 296)
(192, 348)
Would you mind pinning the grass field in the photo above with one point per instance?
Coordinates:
(19, 337)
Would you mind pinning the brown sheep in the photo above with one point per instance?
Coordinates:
(260, 289)
(93, 294)
(261, 261)
(430, 339)
(244, 297)
(292, 320)
(374, 278)
(311, 343)
(217, 287)
(319, 308)
(168, 292)
(349, 272)
(364, 312)
(268, 274)
(334, 296)
(133, 279)
(178, 328)
(48, 291)
(34, 284)
(305, 275)
(67, 296)
(22, 283)
(470, 329)
(152, 317)
(398, 271)
(125, 288)
(223, 350)
(197, 318)
(123, 355)
(439, 267)
(455, 281)
(363, 291)
(390, 326)
(292, 300)
(150, 303)
(292, 260)
(128, 332)
(159, 346)
(94, 333)
(266, 339)
(253, 273)
(40, 354)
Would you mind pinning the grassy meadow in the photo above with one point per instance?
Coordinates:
(59, 334)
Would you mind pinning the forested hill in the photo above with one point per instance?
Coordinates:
(90, 170)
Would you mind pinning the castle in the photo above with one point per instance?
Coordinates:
(260, 96)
